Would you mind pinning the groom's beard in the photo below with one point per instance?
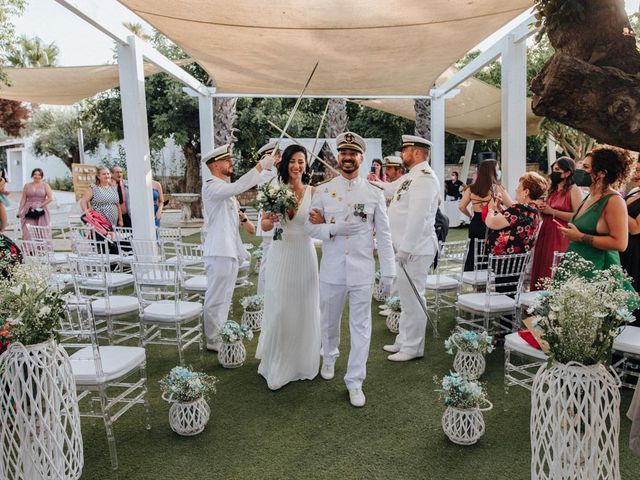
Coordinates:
(349, 166)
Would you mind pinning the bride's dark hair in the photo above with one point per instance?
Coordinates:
(283, 167)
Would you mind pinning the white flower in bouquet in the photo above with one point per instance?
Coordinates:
(469, 341)
(276, 198)
(252, 303)
(184, 385)
(232, 332)
(393, 304)
(459, 391)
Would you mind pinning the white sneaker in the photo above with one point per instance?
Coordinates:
(356, 397)
(402, 357)
(214, 347)
(328, 370)
(391, 348)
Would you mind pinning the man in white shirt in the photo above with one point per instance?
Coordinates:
(345, 212)
(223, 248)
(412, 214)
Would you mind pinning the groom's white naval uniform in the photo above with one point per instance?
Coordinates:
(223, 248)
(348, 265)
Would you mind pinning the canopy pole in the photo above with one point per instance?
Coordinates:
(136, 138)
(466, 164)
(514, 111)
(437, 135)
(207, 143)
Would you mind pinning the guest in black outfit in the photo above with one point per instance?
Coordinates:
(630, 258)
(453, 187)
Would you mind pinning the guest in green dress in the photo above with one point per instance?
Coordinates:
(599, 229)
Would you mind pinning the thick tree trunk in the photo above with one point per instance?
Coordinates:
(422, 107)
(192, 176)
(336, 124)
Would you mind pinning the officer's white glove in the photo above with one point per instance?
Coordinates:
(402, 257)
(348, 228)
(267, 162)
(385, 285)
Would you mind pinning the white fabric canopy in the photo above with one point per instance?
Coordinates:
(364, 47)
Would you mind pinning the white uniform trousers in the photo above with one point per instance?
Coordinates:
(413, 322)
(266, 244)
(221, 279)
(332, 298)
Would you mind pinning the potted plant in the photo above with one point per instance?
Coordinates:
(187, 391)
(253, 307)
(464, 398)
(392, 305)
(575, 398)
(39, 416)
(232, 353)
(470, 347)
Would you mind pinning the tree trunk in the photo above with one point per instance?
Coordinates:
(224, 120)
(192, 176)
(422, 107)
(336, 124)
(591, 83)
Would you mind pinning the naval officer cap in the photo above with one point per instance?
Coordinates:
(221, 153)
(267, 149)
(350, 141)
(413, 141)
(392, 161)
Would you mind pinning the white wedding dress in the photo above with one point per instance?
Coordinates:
(289, 344)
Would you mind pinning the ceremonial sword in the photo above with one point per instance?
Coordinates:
(415, 291)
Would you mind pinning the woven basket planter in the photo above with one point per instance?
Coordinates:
(39, 417)
(189, 418)
(232, 355)
(471, 364)
(252, 319)
(377, 294)
(464, 426)
(393, 322)
(256, 266)
(575, 423)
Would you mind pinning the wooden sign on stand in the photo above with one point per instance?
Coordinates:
(83, 176)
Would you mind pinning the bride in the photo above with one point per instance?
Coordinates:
(289, 345)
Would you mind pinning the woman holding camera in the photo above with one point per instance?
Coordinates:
(33, 210)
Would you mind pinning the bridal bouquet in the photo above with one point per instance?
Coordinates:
(459, 391)
(469, 341)
(184, 385)
(276, 198)
(580, 314)
(232, 332)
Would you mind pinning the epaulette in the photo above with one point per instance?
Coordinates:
(424, 171)
(210, 180)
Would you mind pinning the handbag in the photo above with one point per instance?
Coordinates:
(34, 213)
(98, 223)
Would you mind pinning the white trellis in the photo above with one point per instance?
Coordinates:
(189, 418)
(464, 426)
(232, 355)
(471, 364)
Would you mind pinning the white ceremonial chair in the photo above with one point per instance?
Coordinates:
(97, 249)
(147, 251)
(477, 278)
(112, 377)
(93, 278)
(170, 238)
(192, 268)
(159, 286)
(187, 254)
(521, 362)
(123, 237)
(41, 252)
(493, 310)
(627, 345)
(44, 234)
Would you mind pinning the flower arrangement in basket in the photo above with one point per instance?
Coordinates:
(278, 198)
(232, 353)
(470, 347)
(393, 307)
(257, 254)
(252, 315)
(462, 420)
(377, 294)
(188, 392)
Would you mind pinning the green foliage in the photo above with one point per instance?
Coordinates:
(8, 10)
(552, 13)
(64, 184)
(32, 52)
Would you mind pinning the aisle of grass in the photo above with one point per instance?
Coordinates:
(308, 430)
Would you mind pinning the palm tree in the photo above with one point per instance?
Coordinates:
(224, 119)
(422, 106)
(336, 124)
(33, 52)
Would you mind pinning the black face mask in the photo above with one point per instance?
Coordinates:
(556, 177)
(582, 178)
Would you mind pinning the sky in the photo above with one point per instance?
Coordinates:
(82, 44)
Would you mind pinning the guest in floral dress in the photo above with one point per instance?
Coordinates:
(36, 195)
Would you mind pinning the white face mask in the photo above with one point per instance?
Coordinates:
(498, 174)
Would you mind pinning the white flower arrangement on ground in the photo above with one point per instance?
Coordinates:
(184, 385)
(459, 391)
(252, 303)
(393, 304)
(582, 311)
(232, 332)
(257, 253)
(469, 341)
(276, 198)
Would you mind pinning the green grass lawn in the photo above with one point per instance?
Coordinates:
(308, 430)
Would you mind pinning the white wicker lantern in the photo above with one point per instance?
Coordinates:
(232, 355)
(471, 364)
(464, 426)
(393, 322)
(189, 418)
(252, 319)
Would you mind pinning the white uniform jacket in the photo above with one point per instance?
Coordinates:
(221, 211)
(349, 260)
(266, 176)
(412, 211)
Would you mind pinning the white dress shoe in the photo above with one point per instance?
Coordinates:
(391, 348)
(356, 397)
(402, 357)
(385, 313)
(327, 371)
(214, 347)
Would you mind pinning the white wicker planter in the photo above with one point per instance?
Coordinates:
(232, 355)
(189, 418)
(39, 417)
(256, 266)
(393, 322)
(253, 320)
(471, 364)
(575, 423)
(464, 426)
(377, 294)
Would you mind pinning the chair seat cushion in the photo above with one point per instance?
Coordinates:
(515, 342)
(476, 301)
(164, 311)
(527, 298)
(628, 340)
(118, 305)
(116, 362)
(441, 282)
(59, 258)
(478, 277)
(187, 261)
(113, 280)
(196, 283)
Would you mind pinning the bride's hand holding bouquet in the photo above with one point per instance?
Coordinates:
(275, 200)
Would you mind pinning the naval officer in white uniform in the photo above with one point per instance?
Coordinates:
(344, 214)
(223, 248)
(266, 176)
(412, 216)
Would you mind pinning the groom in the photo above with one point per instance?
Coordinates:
(344, 214)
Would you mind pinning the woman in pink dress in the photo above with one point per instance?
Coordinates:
(563, 198)
(36, 195)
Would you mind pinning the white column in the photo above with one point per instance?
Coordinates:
(136, 138)
(466, 164)
(437, 136)
(514, 111)
(551, 152)
(205, 111)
